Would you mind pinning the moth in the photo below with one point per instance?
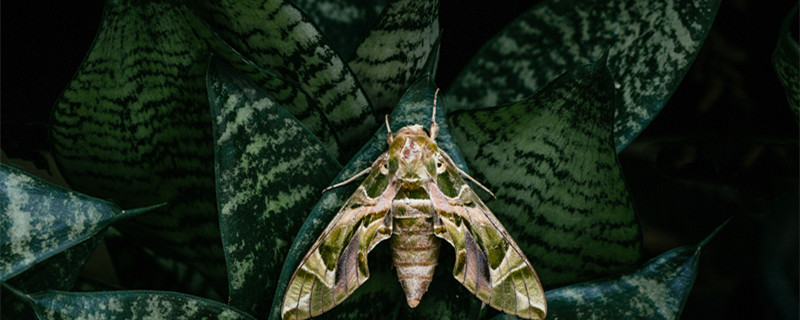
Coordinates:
(415, 196)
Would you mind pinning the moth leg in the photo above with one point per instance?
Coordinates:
(464, 174)
(375, 164)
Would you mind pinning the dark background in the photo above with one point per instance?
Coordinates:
(725, 145)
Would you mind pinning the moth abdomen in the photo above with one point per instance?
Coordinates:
(415, 249)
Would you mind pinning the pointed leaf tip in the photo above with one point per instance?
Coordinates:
(42, 219)
(432, 64)
(16, 292)
(137, 211)
(713, 234)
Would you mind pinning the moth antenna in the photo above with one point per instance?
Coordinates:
(357, 175)
(434, 126)
(464, 174)
(365, 171)
(389, 138)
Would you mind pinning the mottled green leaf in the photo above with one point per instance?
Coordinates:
(59, 272)
(656, 290)
(286, 93)
(270, 172)
(39, 220)
(382, 294)
(551, 162)
(344, 22)
(279, 37)
(133, 125)
(650, 46)
(786, 60)
(128, 305)
(395, 50)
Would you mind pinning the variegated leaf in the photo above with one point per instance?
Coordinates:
(133, 305)
(40, 219)
(656, 290)
(344, 22)
(270, 171)
(551, 162)
(59, 272)
(650, 47)
(388, 60)
(133, 126)
(286, 93)
(278, 36)
(786, 60)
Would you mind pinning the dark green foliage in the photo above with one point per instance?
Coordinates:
(239, 113)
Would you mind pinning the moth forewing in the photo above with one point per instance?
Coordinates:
(336, 264)
(489, 263)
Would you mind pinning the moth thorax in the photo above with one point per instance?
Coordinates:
(415, 249)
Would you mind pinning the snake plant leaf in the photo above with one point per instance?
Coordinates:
(40, 219)
(382, 294)
(59, 272)
(279, 37)
(650, 47)
(133, 125)
(656, 290)
(53, 305)
(390, 57)
(286, 93)
(786, 60)
(344, 22)
(270, 171)
(551, 162)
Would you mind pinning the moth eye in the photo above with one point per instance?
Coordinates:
(384, 168)
(440, 167)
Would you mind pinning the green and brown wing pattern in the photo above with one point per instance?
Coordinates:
(336, 264)
(488, 261)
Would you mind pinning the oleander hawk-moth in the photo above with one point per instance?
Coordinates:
(415, 196)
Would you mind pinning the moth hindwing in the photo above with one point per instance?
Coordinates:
(415, 196)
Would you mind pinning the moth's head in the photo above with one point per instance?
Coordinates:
(412, 154)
